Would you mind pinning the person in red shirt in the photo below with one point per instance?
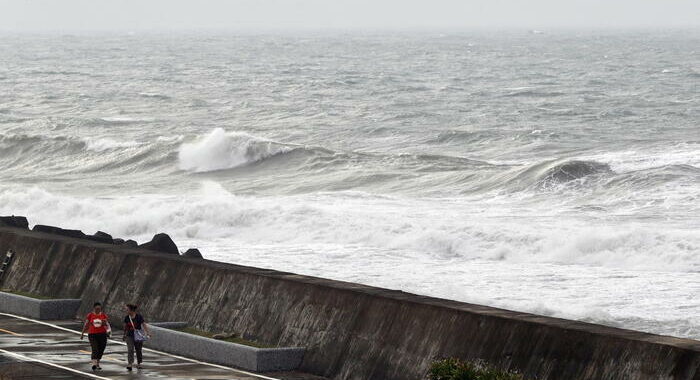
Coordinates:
(98, 329)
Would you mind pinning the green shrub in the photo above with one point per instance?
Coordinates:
(455, 369)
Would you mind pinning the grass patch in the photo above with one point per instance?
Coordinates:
(193, 331)
(455, 369)
(25, 294)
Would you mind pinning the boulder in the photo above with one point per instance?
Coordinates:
(59, 231)
(224, 336)
(14, 221)
(101, 237)
(161, 243)
(192, 252)
(130, 243)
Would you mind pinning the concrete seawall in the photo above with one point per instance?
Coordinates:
(225, 353)
(39, 309)
(350, 331)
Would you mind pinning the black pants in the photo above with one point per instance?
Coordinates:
(131, 346)
(98, 342)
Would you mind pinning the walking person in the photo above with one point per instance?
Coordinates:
(98, 329)
(135, 333)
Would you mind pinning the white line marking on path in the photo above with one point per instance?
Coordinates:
(30, 359)
(145, 349)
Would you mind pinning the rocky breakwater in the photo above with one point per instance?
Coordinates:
(160, 242)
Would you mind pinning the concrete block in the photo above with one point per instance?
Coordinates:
(225, 353)
(38, 309)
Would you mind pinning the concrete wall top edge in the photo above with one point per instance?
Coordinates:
(223, 342)
(41, 300)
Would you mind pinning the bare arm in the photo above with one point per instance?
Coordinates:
(85, 328)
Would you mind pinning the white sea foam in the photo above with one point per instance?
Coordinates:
(437, 228)
(125, 119)
(105, 144)
(560, 267)
(682, 153)
(220, 150)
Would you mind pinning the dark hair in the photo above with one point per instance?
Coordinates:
(96, 304)
(131, 306)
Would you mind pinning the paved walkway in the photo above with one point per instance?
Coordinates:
(31, 349)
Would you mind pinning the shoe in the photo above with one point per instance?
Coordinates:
(128, 368)
(94, 367)
(99, 368)
(138, 366)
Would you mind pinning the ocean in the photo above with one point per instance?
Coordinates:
(555, 173)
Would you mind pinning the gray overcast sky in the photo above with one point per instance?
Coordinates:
(128, 15)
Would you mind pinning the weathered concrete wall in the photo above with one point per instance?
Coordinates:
(350, 331)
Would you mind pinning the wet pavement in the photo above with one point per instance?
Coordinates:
(53, 350)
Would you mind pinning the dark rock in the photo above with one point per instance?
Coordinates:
(224, 336)
(101, 237)
(14, 221)
(131, 243)
(161, 243)
(59, 231)
(193, 252)
(118, 241)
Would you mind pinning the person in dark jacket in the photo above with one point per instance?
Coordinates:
(134, 323)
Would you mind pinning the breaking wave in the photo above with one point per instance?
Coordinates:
(215, 153)
(40, 155)
(550, 174)
(60, 144)
(221, 150)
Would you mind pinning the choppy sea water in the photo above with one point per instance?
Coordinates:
(554, 173)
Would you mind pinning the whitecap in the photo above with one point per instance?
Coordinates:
(219, 150)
